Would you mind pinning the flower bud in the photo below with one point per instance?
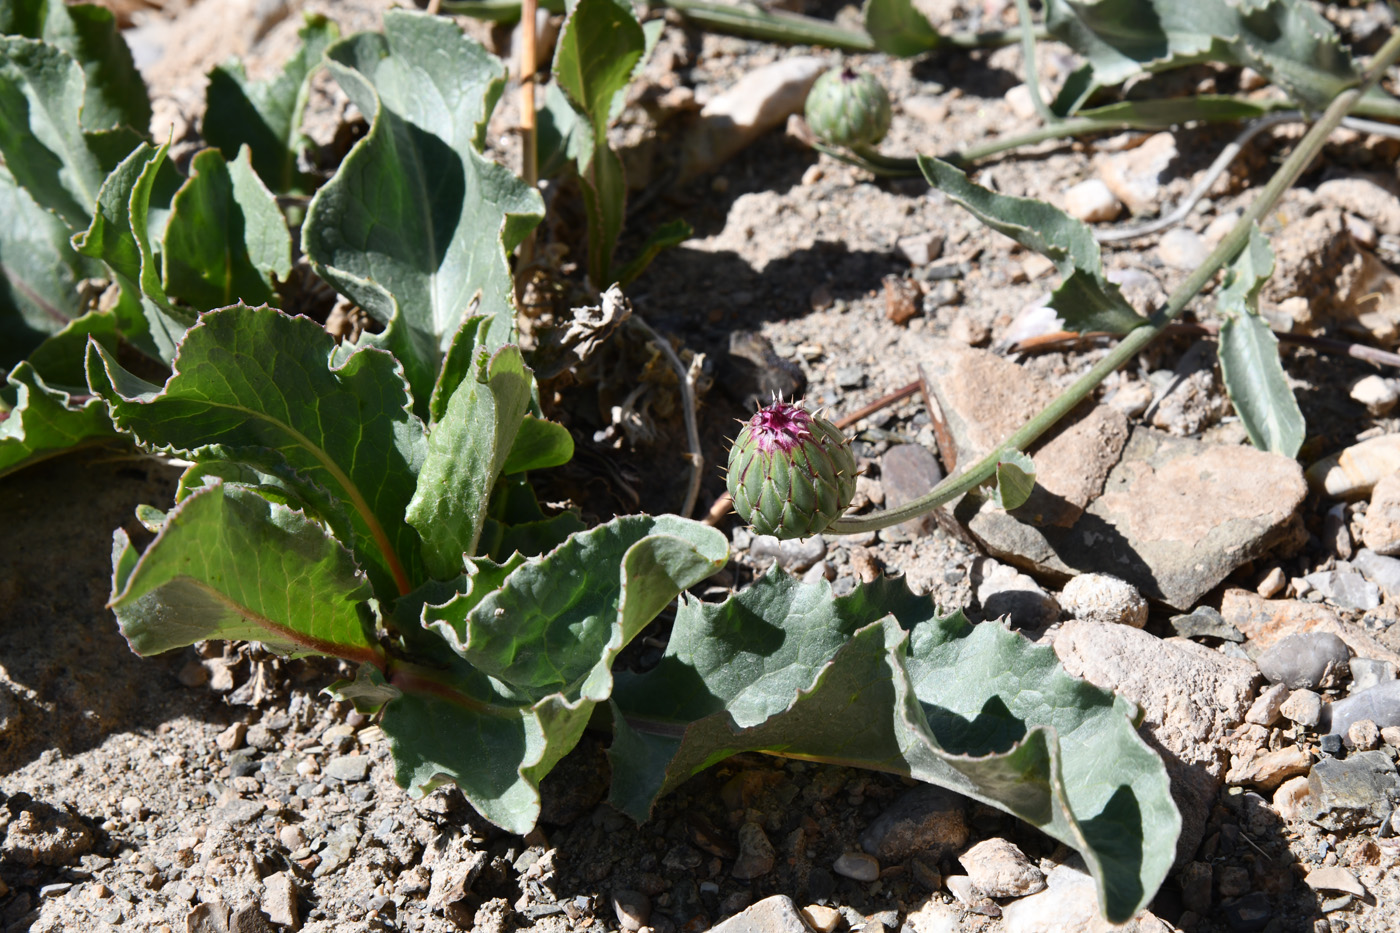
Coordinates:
(848, 109)
(791, 473)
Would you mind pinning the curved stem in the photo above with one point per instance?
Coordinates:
(1027, 30)
(1134, 342)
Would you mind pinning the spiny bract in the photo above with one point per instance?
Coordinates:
(848, 108)
(791, 473)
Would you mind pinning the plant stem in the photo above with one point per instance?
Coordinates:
(1027, 30)
(1134, 342)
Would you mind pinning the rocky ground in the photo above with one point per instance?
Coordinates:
(1246, 605)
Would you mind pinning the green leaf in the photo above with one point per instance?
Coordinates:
(516, 525)
(458, 364)
(466, 451)
(59, 359)
(672, 233)
(1287, 41)
(265, 116)
(1249, 360)
(226, 239)
(564, 135)
(115, 94)
(128, 223)
(599, 47)
(1015, 479)
(877, 679)
(46, 421)
(39, 274)
(41, 135)
(547, 635)
(416, 222)
(229, 564)
(258, 388)
(539, 445)
(899, 29)
(1085, 300)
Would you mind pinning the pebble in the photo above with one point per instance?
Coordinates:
(1331, 744)
(1377, 393)
(1182, 248)
(1365, 197)
(1352, 793)
(1308, 659)
(1098, 597)
(232, 737)
(756, 855)
(1303, 707)
(193, 674)
(1021, 103)
(1290, 798)
(1248, 914)
(921, 248)
(1334, 878)
(1135, 176)
(1205, 622)
(633, 909)
(1380, 570)
(351, 768)
(908, 471)
(1345, 588)
(999, 869)
(795, 554)
(1380, 528)
(292, 837)
(1092, 202)
(279, 900)
(248, 919)
(822, 919)
(775, 914)
(1003, 590)
(259, 736)
(926, 821)
(857, 866)
(1370, 672)
(760, 101)
(1364, 734)
(1270, 769)
(339, 847)
(1272, 584)
(1380, 704)
(207, 917)
(1265, 710)
(1355, 471)
(1390, 735)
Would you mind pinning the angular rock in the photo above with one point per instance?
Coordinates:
(1352, 793)
(822, 919)
(1069, 904)
(1182, 248)
(207, 917)
(1380, 570)
(1005, 591)
(1363, 734)
(1098, 597)
(1303, 707)
(1266, 622)
(1205, 622)
(1334, 878)
(1191, 698)
(921, 248)
(908, 471)
(1369, 672)
(760, 101)
(1355, 471)
(633, 909)
(1380, 528)
(1135, 176)
(999, 869)
(248, 919)
(1270, 769)
(1175, 518)
(857, 866)
(925, 821)
(350, 768)
(1092, 202)
(279, 900)
(1266, 709)
(776, 914)
(983, 398)
(756, 855)
(1290, 797)
(1379, 395)
(1310, 659)
(1345, 588)
(1380, 704)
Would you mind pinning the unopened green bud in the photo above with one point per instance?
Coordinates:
(850, 109)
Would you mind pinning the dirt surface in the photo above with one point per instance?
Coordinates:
(219, 789)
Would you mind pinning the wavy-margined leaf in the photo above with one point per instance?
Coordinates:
(515, 523)
(416, 222)
(541, 642)
(1085, 300)
(600, 44)
(1285, 40)
(466, 451)
(257, 387)
(115, 93)
(265, 116)
(1249, 360)
(899, 29)
(39, 274)
(877, 679)
(46, 421)
(229, 564)
(225, 239)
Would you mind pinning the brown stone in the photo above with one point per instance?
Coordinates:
(1380, 529)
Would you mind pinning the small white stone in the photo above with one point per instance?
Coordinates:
(1377, 393)
(1364, 735)
(858, 866)
(1092, 202)
(1303, 707)
(1019, 97)
(999, 869)
(1135, 175)
(1273, 582)
(1182, 249)
(1290, 797)
(1097, 597)
(1265, 711)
